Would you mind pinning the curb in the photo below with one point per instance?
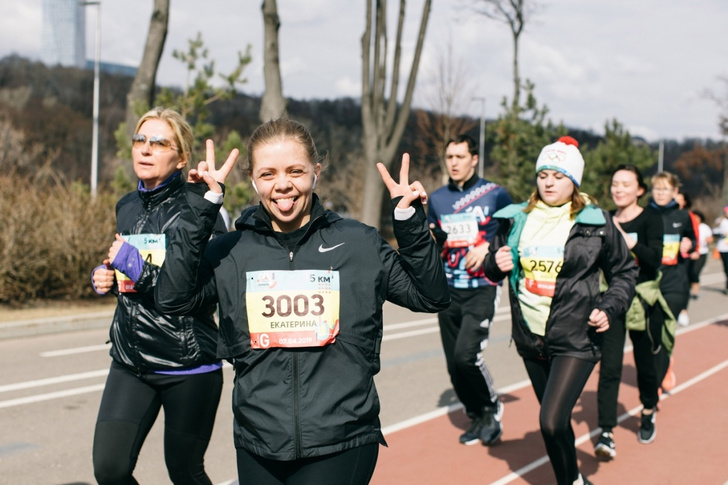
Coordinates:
(50, 325)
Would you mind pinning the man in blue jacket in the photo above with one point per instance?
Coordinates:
(459, 214)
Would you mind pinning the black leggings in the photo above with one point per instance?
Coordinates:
(724, 260)
(647, 348)
(130, 405)
(558, 384)
(350, 467)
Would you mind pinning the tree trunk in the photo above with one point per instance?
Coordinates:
(516, 76)
(273, 105)
(141, 93)
(383, 119)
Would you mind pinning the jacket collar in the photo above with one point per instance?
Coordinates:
(670, 205)
(591, 214)
(163, 191)
(466, 186)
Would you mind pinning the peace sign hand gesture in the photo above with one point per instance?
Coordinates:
(408, 191)
(206, 172)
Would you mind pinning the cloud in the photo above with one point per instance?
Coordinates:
(644, 62)
(20, 28)
(633, 66)
(345, 87)
(569, 74)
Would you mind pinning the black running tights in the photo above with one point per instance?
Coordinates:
(349, 467)
(130, 405)
(558, 383)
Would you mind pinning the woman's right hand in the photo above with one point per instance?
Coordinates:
(503, 259)
(629, 240)
(206, 172)
(103, 278)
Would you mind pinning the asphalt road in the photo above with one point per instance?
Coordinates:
(50, 388)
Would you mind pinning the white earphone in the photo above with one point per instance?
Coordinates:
(255, 187)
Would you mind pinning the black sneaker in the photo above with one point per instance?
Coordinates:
(647, 431)
(492, 428)
(472, 435)
(605, 447)
(585, 481)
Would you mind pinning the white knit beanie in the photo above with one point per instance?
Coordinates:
(562, 156)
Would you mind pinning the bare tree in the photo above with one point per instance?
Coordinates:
(721, 101)
(514, 13)
(273, 105)
(141, 93)
(383, 119)
(449, 93)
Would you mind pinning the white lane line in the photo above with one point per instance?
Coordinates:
(445, 410)
(53, 380)
(57, 319)
(50, 395)
(414, 333)
(632, 412)
(76, 350)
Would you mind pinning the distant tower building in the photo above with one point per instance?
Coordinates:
(64, 33)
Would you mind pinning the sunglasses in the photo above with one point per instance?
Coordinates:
(156, 143)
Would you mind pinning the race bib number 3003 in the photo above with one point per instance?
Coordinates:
(292, 308)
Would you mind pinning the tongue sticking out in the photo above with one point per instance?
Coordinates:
(285, 204)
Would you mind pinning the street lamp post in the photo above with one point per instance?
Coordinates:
(481, 142)
(95, 132)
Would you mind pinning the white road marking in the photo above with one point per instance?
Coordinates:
(51, 395)
(54, 380)
(76, 350)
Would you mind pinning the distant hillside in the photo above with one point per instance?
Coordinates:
(45, 121)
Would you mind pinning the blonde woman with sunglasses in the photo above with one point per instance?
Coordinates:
(158, 360)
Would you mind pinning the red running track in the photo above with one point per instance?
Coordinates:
(691, 446)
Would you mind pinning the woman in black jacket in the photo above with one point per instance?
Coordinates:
(158, 360)
(553, 248)
(642, 231)
(300, 292)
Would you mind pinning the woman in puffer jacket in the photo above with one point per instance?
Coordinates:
(158, 360)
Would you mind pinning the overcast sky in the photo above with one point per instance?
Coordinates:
(646, 63)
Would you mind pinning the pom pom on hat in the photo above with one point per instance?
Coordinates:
(569, 141)
(563, 156)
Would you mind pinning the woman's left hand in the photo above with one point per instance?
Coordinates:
(115, 247)
(206, 172)
(686, 245)
(408, 191)
(599, 320)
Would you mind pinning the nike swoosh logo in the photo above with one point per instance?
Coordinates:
(676, 224)
(322, 249)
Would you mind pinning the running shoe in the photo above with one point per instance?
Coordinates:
(585, 481)
(472, 435)
(683, 319)
(605, 447)
(492, 428)
(647, 431)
